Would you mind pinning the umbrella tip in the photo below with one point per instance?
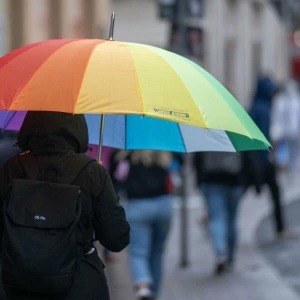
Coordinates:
(112, 26)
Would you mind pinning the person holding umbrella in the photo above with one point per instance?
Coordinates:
(53, 160)
(138, 100)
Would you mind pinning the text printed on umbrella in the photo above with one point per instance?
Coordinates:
(178, 114)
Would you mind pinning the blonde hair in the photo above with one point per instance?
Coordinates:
(149, 158)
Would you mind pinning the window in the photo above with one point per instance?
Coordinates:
(16, 17)
(55, 18)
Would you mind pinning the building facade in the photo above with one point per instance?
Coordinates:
(241, 38)
(245, 38)
(27, 21)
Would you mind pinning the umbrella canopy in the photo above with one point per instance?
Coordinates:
(109, 77)
(131, 132)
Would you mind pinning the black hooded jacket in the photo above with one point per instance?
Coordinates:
(56, 138)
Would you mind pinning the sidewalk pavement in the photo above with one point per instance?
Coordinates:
(284, 254)
(253, 278)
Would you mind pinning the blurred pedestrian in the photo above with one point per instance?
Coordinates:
(149, 211)
(261, 112)
(118, 169)
(285, 126)
(55, 238)
(223, 179)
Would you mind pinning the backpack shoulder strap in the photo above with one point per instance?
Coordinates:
(74, 168)
(29, 165)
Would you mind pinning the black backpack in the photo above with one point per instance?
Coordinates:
(43, 240)
(222, 162)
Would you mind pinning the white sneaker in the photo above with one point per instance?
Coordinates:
(144, 294)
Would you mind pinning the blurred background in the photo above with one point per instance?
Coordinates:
(238, 42)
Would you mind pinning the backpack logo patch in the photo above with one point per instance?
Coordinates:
(40, 218)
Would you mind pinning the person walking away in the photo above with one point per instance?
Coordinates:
(223, 179)
(149, 212)
(54, 198)
(285, 126)
(261, 114)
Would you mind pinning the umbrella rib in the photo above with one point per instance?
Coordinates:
(137, 81)
(29, 48)
(83, 74)
(182, 137)
(125, 133)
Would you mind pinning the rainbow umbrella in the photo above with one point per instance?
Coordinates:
(108, 77)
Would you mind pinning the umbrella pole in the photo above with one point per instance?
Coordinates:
(112, 27)
(184, 255)
(111, 38)
(184, 251)
(101, 138)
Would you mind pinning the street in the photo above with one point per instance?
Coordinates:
(284, 255)
(254, 278)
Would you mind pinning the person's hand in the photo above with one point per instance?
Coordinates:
(122, 171)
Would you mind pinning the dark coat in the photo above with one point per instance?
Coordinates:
(261, 111)
(7, 148)
(146, 182)
(142, 181)
(56, 138)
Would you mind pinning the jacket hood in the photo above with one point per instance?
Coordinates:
(53, 131)
(265, 90)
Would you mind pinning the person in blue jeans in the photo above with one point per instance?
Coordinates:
(150, 221)
(222, 202)
(223, 179)
(148, 189)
